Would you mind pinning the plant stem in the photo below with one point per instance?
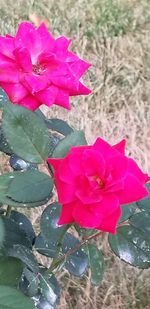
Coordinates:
(8, 211)
(56, 262)
(62, 258)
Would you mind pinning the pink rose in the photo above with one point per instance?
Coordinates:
(37, 69)
(93, 181)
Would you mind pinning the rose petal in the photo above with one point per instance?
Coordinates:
(62, 98)
(109, 223)
(16, 92)
(79, 67)
(66, 214)
(85, 217)
(35, 83)
(23, 59)
(120, 146)
(27, 37)
(7, 46)
(48, 95)
(30, 102)
(133, 190)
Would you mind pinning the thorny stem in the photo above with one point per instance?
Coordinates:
(56, 262)
(49, 169)
(62, 258)
(8, 211)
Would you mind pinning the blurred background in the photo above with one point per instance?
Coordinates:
(114, 36)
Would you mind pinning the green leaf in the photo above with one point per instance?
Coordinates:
(50, 229)
(76, 138)
(85, 232)
(1, 232)
(131, 245)
(10, 270)
(48, 249)
(11, 298)
(77, 262)
(50, 291)
(18, 164)
(3, 98)
(25, 255)
(127, 211)
(141, 221)
(24, 223)
(96, 262)
(30, 187)
(29, 283)
(59, 125)
(26, 133)
(4, 147)
(53, 142)
(145, 203)
(13, 234)
(8, 180)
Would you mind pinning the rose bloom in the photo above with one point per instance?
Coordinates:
(37, 69)
(94, 181)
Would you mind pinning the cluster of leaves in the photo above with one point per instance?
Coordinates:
(28, 139)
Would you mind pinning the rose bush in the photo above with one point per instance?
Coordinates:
(93, 181)
(99, 187)
(37, 69)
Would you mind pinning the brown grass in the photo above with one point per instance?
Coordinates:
(115, 37)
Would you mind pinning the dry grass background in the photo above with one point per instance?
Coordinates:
(115, 37)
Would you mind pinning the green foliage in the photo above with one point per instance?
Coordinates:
(10, 270)
(145, 203)
(76, 138)
(25, 189)
(26, 133)
(77, 262)
(127, 211)
(30, 187)
(96, 262)
(59, 125)
(11, 298)
(131, 245)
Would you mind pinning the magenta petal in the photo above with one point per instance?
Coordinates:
(46, 39)
(136, 171)
(67, 177)
(93, 163)
(23, 59)
(66, 193)
(35, 83)
(16, 92)
(103, 147)
(133, 190)
(27, 37)
(7, 46)
(54, 162)
(62, 44)
(109, 224)
(66, 214)
(67, 82)
(62, 98)
(120, 146)
(85, 217)
(48, 95)
(118, 165)
(30, 102)
(108, 205)
(81, 90)
(8, 75)
(88, 191)
(79, 67)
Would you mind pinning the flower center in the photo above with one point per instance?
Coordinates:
(99, 181)
(38, 68)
